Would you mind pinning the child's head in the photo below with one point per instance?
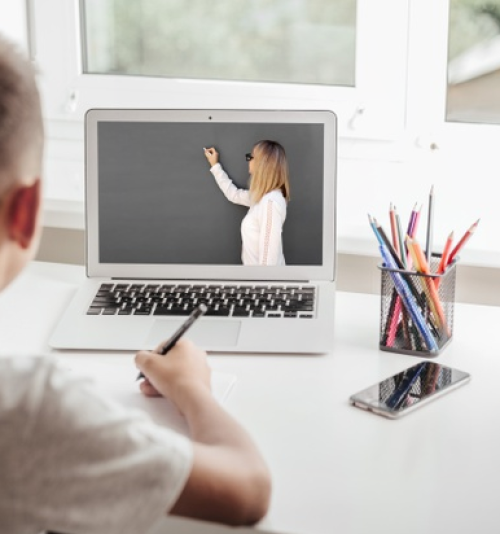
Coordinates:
(21, 152)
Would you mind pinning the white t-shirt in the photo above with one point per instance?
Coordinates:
(73, 460)
(262, 226)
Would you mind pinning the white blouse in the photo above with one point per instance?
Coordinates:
(262, 225)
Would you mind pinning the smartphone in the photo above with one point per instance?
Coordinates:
(409, 389)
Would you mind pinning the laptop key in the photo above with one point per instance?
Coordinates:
(241, 312)
(223, 312)
(143, 311)
(107, 286)
(136, 287)
(161, 310)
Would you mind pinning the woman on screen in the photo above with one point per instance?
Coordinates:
(267, 198)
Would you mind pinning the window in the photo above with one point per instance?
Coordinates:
(445, 39)
(474, 62)
(405, 77)
(269, 54)
(281, 41)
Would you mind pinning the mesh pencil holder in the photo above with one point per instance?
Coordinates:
(416, 310)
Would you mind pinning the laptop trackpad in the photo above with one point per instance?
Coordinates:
(205, 333)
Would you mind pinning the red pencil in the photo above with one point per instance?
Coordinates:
(443, 262)
(461, 243)
(444, 256)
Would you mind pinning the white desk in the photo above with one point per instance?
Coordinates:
(337, 469)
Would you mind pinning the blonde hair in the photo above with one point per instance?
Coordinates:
(270, 170)
(21, 125)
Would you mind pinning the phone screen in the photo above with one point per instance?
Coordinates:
(409, 388)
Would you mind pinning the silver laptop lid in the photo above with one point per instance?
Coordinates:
(154, 211)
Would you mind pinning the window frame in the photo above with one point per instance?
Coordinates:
(374, 109)
(426, 124)
(389, 126)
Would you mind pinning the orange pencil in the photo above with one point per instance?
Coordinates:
(413, 255)
(422, 265)
(419, 264)
(461, 243)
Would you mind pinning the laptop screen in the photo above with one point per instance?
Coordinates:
(153, 202)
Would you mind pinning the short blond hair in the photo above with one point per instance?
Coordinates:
(270, 170)
(21, 125)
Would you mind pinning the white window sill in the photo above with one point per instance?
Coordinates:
(70, 214)
(368, 247)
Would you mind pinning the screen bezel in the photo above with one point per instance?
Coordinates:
(325, 271)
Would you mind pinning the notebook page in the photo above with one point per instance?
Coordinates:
(119, 381)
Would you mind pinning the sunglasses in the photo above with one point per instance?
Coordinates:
(248, 157)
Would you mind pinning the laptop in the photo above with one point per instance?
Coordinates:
(161, 237)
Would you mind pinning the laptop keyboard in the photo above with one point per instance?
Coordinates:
(290, 301)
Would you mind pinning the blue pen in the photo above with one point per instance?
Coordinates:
(407, 298)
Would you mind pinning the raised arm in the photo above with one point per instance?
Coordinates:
(226, 185)
(229, 481)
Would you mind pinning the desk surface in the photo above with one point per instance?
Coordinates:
(336, 468)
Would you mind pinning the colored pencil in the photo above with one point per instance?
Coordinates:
(411, 222)
(371, 220)
(415, 224)
(394, 229)
(461, 243)
(443, 262)
(408, 300)
(421, 265)
(391, 324)
(430, 227)
(395, 307)
(384, 240)
(444, 256)
(400, 239)
(412, 231)
(389, 245)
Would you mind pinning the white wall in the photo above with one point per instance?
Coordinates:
(13, 21)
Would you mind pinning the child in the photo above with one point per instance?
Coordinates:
(72, 460)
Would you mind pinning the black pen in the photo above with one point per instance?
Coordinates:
(198, 312)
